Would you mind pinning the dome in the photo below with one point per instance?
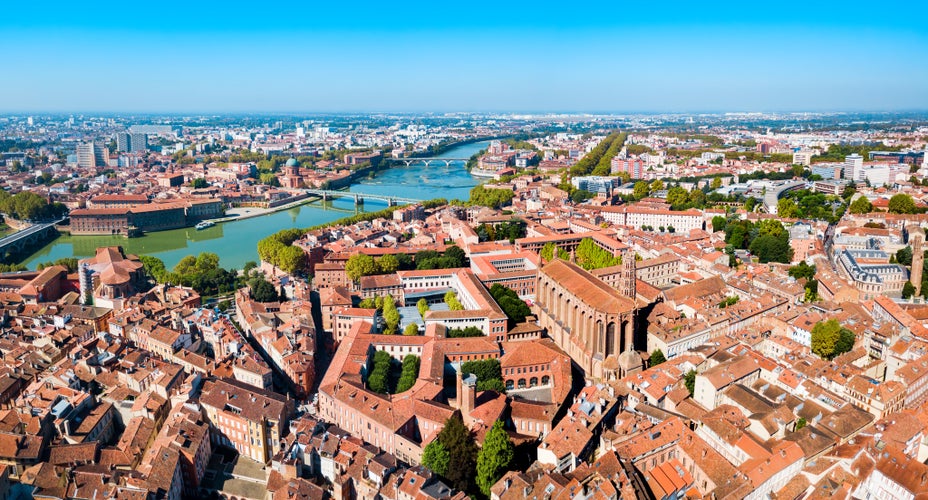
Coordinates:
(292, 162)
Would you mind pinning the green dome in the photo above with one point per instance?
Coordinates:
(292, 162)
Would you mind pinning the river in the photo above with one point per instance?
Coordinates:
(236, 242)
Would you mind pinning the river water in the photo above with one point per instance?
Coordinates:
(236, 242)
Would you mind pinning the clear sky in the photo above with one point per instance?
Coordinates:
(198, 56)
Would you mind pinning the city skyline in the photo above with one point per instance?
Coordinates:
(487, 58)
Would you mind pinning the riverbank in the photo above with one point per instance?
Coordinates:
(235, 239)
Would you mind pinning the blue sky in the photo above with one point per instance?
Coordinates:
(173, 56)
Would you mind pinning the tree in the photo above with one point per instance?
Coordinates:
(359, 265)
(391, 315)
(262, 290)
(689, 380)
(494, 458)
(800, 423)
(716, 183)
(861, 206)
(451, 299)
(456, 257)
(640, 190)
(514, 307)
(388, 264)
(411, 329)
(199, 183)
(677, 197)
(845, 343)
(902, 204)
(459, 441)
(787, 208)
(802, 271)
(825, 337)
(749, 204)
(657, 357)
(769, 248)
(581, 195)
(423, 307)
(904, 256)
(291, 259)
(908, 290)
(490, 197)
(656, 185)
(719, 223)
(409, 373)
(436, 458)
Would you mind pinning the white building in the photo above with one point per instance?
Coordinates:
(853, 164)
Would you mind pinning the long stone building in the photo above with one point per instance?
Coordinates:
(591, 321)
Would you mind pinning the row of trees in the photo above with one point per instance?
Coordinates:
(278, 250)
(360, 265)
(26, 205)
(590, 256)
(598, 160)
(490, 197)
(202, 273)
(509, 230)
(451, 299)
(515, 308)
(454, 456)
(378, 379)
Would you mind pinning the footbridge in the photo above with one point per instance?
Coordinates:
(359, 198)
(427, 160)
(19, 240)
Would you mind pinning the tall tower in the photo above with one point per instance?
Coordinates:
(916, 238)
(628, 274)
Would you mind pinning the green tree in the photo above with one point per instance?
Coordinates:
(411, 329)
(359, 265)
(902, 204)
(656, 185)
(269, 179)
(677, 197)
(262, 290)
(514, 307)
(423, 307)
(657, 357)
(641, 190)
(846, 341)
(199, 183)
(787, 208)
(719, 223)
(716, 183)
(459, 441)
(908, 290)
(436, 458)
(689, 379)
(388, 264)
(456, 256)
(904, 256)
(291, 259)
(410, 372)
(391, 315)
(824, 337)
(451, 299)
(802, 271)
(800, 423)
(495, 458)
(861, 206)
